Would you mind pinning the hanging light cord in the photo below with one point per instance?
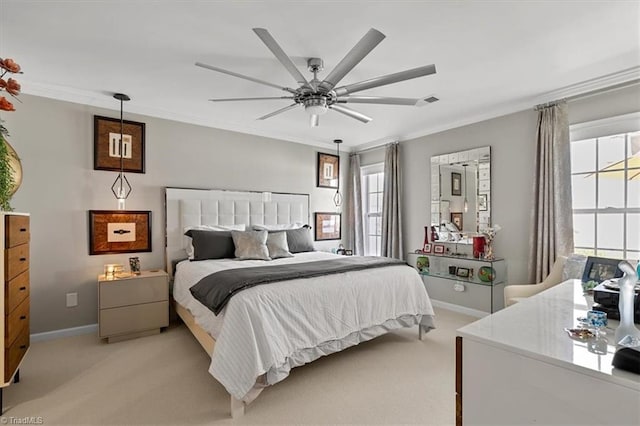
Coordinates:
(337, 198)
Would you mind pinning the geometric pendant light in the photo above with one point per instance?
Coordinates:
(121, 187)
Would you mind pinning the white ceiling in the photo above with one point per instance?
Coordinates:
(492, 58)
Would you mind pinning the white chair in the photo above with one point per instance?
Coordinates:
(515, 293)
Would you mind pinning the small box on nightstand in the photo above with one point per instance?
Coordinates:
(133, 306)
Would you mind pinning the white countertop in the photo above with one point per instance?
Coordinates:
(535, 327)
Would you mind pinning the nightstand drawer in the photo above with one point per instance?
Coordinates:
(16, 322)
(13, 354)
(133, 291)
(17, 230)
(16, 291)
(16, 261)
(131, 319)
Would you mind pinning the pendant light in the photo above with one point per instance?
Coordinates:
(337, 198)
(466, 203)
(121, 187)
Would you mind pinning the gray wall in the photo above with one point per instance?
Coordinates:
(512, 141)
(55, 143)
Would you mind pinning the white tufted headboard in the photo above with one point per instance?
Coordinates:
(192, 207)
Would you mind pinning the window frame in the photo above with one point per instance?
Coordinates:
(365, 171)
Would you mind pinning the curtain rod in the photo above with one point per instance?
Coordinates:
(373, 148)
(589, 94)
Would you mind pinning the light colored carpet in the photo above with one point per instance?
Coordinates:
(163, 380)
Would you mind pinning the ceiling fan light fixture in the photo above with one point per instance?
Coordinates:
(316, 106)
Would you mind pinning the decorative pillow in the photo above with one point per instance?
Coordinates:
(277, 245)
(189, 244)
(299, 240)
(211, 244)
(251, 245)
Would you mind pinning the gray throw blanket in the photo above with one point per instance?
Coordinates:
(215, 290)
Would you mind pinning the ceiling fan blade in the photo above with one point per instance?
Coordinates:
(386, 79)
(314, 120)
(275, 48)
(280, 111)
(378, 100)
(366, 44)
(235, 74)
(250, 99)
(351, 113)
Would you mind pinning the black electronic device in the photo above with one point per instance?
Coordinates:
(627, 359)
(606, 296)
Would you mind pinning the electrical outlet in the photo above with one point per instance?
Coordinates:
(72, 300)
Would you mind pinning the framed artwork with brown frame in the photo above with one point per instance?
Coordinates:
(327, 226)
(119, 231)
(456, 219)
(438, 248)
(106, 145)
(456, 183)
(328, 170)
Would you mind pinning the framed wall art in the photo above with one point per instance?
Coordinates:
(482, 202)
(456, 183)
(106, 145)
(456, 219)
(327, 226)
(119, 231)
(328, 170)
(438, 248)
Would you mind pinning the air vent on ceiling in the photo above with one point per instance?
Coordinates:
(431, 99)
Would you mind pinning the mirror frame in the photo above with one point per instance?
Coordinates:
(482, 156)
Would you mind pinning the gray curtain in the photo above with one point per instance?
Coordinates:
(355, 225)
(391, 202)
(552, 215)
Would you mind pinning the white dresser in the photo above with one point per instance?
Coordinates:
(518, 366)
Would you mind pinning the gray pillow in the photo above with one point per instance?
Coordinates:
(211, 244)
(277, 245)
(300, 240)
(251, 245)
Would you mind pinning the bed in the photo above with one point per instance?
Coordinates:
(266, 330)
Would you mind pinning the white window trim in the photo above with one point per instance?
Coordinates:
(364, 172)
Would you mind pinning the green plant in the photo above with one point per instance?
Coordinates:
(6, 176)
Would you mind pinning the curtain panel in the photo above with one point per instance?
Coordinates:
(391, 245)
(552, 214)
(355, 225)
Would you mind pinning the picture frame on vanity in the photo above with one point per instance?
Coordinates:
(327, 226)
(438, 248)
(456, 183)
(119, 231)
(328, 170)
(426, 248)
(456, 219)
(462, 272)
(106, 145)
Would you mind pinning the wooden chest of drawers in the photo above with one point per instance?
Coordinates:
(134, 306)
(15, 235)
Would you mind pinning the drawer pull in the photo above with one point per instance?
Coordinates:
(23, 229)
(23, 317)
(23, 346)
(23, 288)
(23, 259)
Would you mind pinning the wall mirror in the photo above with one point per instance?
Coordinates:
(461, 193)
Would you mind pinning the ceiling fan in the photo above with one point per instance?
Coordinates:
(317, 96)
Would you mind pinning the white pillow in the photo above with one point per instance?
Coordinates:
(251, 245)
(279, 227)
(189, 244)
(277, 245)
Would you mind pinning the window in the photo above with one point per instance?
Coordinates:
(605, 179)
(372, 187)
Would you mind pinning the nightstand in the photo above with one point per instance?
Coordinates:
(133, 306)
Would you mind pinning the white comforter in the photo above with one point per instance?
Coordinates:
(269, 329)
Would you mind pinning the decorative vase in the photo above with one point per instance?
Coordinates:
(427, 232)
(478, 246)
(489, 250)
(10, 173)
(486, 274)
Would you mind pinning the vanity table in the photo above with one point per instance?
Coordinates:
(519, 366)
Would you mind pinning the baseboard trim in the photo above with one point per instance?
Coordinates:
(457, 308)
(65, 332)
